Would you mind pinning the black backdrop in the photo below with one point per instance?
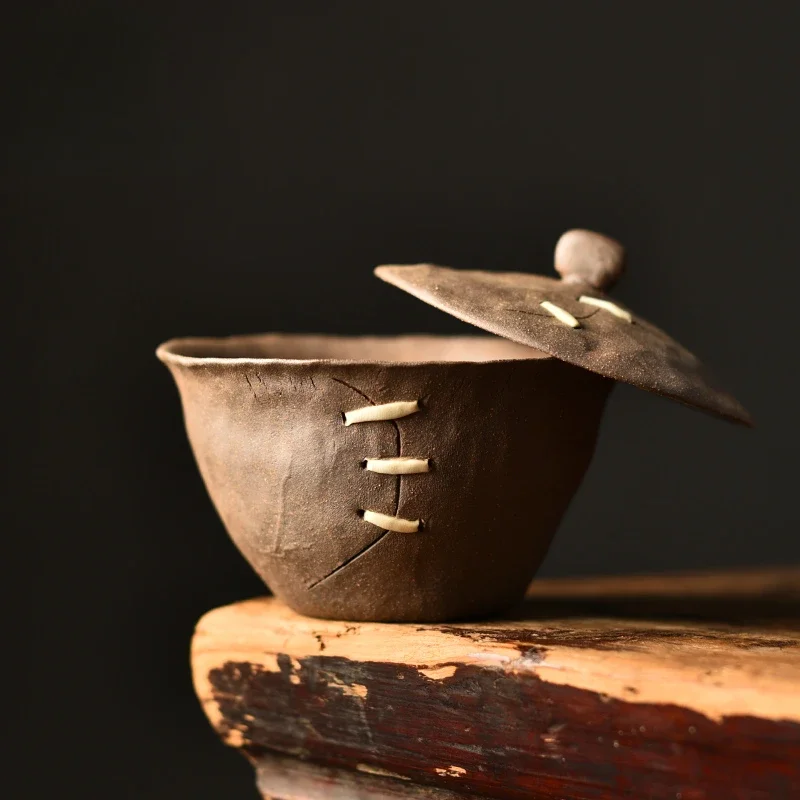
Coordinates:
(209, 169)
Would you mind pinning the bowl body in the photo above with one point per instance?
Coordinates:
(505, 433)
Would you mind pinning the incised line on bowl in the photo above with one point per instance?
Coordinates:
(384, 412)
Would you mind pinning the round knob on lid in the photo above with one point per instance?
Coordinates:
(589, 258)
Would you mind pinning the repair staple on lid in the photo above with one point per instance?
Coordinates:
(596, 334)
(560, 314)
(607, 305)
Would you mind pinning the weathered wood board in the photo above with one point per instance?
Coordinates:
(684, 687)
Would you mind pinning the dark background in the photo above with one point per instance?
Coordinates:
(188, 169)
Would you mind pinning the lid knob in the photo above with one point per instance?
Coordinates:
(591, 258)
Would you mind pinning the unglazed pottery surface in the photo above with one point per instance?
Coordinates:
(510, 305)
(507, 434)
(421, 478)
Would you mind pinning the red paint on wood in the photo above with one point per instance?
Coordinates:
(514, 735)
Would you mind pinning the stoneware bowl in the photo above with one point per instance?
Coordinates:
(421, 478)
(397, 479)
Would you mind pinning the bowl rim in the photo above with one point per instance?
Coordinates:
(167, 351)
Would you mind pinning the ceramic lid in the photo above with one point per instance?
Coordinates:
(572, 319)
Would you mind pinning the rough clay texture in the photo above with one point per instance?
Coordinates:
(508, 304)
(509, 434)
(587, 257)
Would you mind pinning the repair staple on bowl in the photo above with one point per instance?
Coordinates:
(421, 478)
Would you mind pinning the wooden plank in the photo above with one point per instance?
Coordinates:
(285, 778)
(753, 584)
(542, 705)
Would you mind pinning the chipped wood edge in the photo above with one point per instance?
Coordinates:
(710, 675)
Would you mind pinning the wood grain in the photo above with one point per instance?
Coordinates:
(548, 703)
(286, 778)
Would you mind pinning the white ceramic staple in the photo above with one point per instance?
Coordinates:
(560, 314)
(397, 466)
(382, 412)
(388, 523)
(607, 305)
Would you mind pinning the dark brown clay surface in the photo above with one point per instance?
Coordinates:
(418, 478)
(509, 305)
(507, 431)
